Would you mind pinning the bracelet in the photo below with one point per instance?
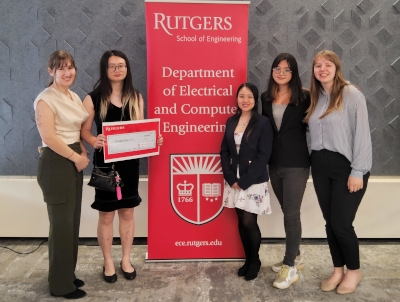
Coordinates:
(71, 155)
(94, 143)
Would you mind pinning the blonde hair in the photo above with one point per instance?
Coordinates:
(336, 94)
(58, 59)
(132, 101)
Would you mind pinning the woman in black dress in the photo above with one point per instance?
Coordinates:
(114, 99)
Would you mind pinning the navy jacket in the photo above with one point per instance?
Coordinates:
(290, 143)
(253, 156)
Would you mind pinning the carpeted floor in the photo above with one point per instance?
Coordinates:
(24, 277)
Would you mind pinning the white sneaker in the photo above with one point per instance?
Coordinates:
(298, 263)
(286, 277)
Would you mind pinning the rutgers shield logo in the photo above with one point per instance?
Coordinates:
(196, 186)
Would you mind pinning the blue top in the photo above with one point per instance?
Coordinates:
(345, 131)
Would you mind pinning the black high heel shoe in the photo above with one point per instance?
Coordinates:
(128, 276)
(243, 270)
(109, 279)
(253, 270)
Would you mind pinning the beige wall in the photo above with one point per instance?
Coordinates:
(23, 212)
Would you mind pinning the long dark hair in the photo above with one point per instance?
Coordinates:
(254, 110)
(295, 86)
(130, 96)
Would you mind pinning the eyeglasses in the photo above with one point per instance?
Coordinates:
(114, 68)
(278, 70)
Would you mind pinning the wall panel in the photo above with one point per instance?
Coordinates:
(363, 32)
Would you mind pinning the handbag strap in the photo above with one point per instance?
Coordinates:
(96, 166)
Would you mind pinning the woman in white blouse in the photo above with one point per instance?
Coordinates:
(59, 116)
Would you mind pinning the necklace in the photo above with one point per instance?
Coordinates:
(280, 100)
(69, 96)
(280, 95)
(244, 124)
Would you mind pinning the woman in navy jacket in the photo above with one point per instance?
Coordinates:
(285, 103)
(245, 152)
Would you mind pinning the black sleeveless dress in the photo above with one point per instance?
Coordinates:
(128, 169)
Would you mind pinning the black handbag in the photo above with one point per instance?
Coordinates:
(105, 181)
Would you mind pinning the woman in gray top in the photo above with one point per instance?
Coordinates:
(340, 162)
(285, 103)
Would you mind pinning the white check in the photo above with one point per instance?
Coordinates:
(127, 142)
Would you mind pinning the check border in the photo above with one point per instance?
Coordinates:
(113, 128)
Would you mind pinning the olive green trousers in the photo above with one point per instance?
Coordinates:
(61, 185)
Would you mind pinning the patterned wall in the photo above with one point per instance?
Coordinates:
(363, 32)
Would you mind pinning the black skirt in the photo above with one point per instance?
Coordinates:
(129, 171)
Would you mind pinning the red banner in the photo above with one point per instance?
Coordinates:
(196, 59)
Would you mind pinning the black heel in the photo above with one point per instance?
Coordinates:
(128, 276)
(253, 270)
(243, 270)
(109, 279)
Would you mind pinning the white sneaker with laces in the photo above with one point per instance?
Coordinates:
(298, 263)
(286, 277)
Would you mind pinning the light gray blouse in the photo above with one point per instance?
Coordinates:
(278, 110)
(345, 131)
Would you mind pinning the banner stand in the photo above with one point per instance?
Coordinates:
(147, 260)
(196, 60)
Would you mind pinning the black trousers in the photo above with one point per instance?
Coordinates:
(61, 185)
(330, 172)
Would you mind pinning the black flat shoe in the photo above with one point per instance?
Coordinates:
(129, 276)
(79, 282)
(77, 294)
(109, 279)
